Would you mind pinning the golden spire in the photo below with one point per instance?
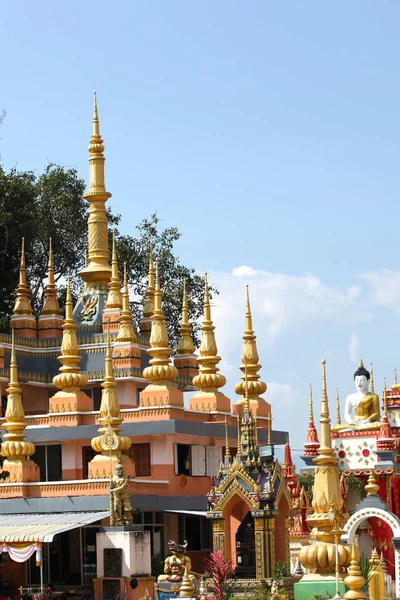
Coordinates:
(338, 420)
(372, 486)
(15, 448)
(361, 365)
(208, 380)
(161, 372)
(246, 389)
(69, 379)
(110, 414)
(385, 414)
(372, 378)
(227, 450)
(325, 453)
(311, 417)
(22, 304)
(98, 270)
(50, 302)
(269, 421)
(148, 308)
(239, 441)
(354, 579)
(185, 344)
(126, 330)
(114, 298)
(250, 356)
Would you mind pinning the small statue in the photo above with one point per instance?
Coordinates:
(364, 403)
(120, 499)
(176, 564)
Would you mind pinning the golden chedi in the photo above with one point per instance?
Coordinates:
(110, 418)
(256, 387)
(113, 307)
(354, 580)
(148, 309)
(126, 352)
(362, 410)
(70, 380)
(326, 499)
(50, 320)
(161, 373)
(22, 319)
(185, 359)
(209, 398)
(98, 270)
(16, 450)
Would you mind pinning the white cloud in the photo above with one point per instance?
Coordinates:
(282, 394)
(384, 286)
(354, 347)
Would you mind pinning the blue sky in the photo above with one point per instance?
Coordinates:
(268, 132)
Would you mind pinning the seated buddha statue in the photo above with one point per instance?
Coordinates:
(363, 403)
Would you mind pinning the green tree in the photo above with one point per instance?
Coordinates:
(51, 205)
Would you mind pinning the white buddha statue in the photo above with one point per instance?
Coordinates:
(362, 410)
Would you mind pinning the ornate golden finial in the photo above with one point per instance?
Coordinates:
(372, 378)
(269, 420)
(372, 486)
(22, 304)
(385, 414)
(354, 580)
(15, 449)
(50, 302)
(185, 343)
(126, 330)
(361, 365)
(311, 417)
(246, 389)
(114, 298)
(98, 270)
(69, 379)
(227, 450)
(338, 420)
(148, 308)
(239, 447)
(208, 380)
(110, 417)
(161, 372)
(250, 356)
(325, 452)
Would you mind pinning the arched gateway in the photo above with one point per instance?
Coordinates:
(367, 512)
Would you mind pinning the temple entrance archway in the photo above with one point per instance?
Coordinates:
(246, 548)
(234, 514)
(387, 517)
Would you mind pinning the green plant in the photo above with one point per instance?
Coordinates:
(365, 569)
(157, 565)
(281, 569)
(325, 596)
(306, 481)
(355, 484)
(262, 593)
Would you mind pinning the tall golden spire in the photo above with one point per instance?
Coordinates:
(239, 441)
(149, 301)
(16, 449)
(250, 356)
(311, 417)
(98, 270)
(161, 372)
(50, 302)
(69, 379)
(325, 452)
(208, 380)
(338, 419)
(114, 298)
(126, 331)
(110, 416)
(372, 378)
(185, 343)
(312, 444)
(22, 304)
(227, 450)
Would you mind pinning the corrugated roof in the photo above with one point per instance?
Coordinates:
(42, 527)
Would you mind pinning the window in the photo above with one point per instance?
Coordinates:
(3, 405)
(140, 454)
(48, 459)
(197, 461)
(87, 455)
(196, 531)
(153, 521)
(96, 396)
(138, 390)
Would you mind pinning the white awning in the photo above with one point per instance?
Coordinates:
(42, 527)
(194, 513)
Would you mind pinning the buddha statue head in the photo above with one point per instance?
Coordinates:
(361, 379)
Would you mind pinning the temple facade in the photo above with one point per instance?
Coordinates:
(66, 379)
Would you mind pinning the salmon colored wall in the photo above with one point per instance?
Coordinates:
(234, 513)
(127, 393)
(280, 531)
(197, 559)
(36, 399)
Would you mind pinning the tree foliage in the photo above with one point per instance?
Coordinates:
(51, 205)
